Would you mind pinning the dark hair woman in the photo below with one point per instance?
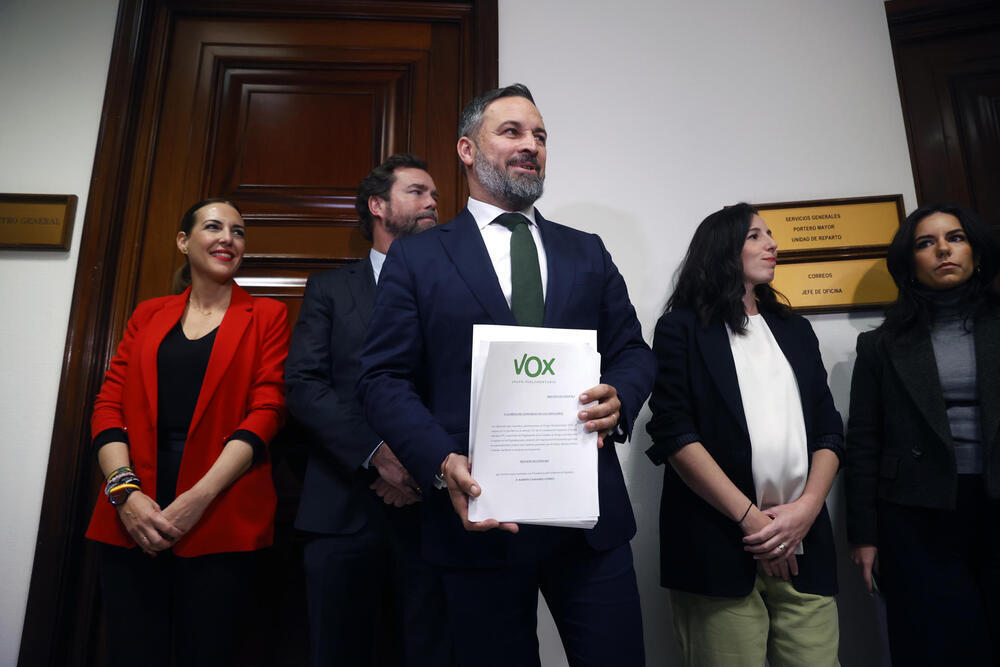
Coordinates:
(181, 427)
(743, 414)
(923, 477)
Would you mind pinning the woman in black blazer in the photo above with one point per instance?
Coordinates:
(736, 510)
(923, 479)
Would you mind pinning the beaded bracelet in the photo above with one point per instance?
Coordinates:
(118, 480)
(118, 470)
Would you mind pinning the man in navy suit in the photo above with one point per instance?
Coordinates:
(415, 385)
(357, 503)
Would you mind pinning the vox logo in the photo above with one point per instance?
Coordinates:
(533, 366)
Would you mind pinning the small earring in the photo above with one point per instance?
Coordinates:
(184, 250)
(979, 269)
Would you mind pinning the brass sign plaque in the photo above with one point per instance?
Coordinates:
(832, 226)
(831, 252)
(38, 222)
(835, 285)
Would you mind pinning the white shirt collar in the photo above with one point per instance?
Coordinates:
(377, 259)
(484, 213)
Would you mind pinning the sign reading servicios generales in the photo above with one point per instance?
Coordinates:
(808, 227)
(831, 253)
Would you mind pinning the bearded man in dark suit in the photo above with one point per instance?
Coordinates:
(358, 502)
(414, 384)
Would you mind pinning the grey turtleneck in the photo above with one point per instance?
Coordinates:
(955, 353)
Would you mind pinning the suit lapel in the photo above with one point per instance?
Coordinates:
(362, 285)
(912, 355)
(227, 341)
(463, 243)
(715, 351)
(159, 326)
(560, 271)
(986, 331)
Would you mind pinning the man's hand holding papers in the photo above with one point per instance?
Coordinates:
(532, 436)
(461, 487)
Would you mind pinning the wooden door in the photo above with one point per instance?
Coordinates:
(282, 107)
(947, 56)
(285, 116)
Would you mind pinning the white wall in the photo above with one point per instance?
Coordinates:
(54, 58)
(662, 111)
(659, 112)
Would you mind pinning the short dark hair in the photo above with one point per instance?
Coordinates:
(472, 116)
(182, 276)
(378, 182)
(911, 307)
(710, 279)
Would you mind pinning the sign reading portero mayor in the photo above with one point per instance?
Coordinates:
(817, 226)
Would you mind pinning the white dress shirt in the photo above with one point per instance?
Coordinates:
(377, 259)
(497, 240)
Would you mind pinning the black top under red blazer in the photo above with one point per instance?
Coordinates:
(696, 398)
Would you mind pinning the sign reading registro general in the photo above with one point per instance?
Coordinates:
(36, 222)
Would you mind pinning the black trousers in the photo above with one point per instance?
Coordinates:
(169, 610)
(940, 572)
(593, 597)
(349, 576)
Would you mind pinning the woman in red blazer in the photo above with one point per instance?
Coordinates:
(181, 426)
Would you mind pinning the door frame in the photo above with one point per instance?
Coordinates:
(60, 626)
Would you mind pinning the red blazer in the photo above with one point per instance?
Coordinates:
(249, 354)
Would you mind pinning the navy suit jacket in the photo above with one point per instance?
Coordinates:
(320, 377)
(697, 398)
(416, 363)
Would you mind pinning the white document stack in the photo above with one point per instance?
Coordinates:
(530, 454)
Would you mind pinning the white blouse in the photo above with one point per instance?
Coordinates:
(773, 409)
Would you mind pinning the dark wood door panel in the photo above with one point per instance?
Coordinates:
(977, 99)
(948, 66)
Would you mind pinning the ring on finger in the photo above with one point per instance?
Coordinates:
(782, 547)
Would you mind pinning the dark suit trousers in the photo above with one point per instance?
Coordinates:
(593, 597)
(940, 572)
(169, 610)
(348, 576)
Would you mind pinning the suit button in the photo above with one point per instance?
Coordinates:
(916, 453)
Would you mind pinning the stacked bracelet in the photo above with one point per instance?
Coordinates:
(120, 483)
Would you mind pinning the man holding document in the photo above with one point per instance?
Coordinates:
(500, 263)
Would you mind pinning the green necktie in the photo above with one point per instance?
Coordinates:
(526, 301)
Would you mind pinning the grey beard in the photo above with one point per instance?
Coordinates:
(516, 192)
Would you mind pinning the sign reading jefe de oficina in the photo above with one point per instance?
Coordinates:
(831, 253)
(42, 222)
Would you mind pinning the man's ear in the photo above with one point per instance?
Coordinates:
(376, 206)
(466, 151)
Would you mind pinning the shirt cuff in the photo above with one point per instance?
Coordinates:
(259, 446)
(368, 461)
(110, 435)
